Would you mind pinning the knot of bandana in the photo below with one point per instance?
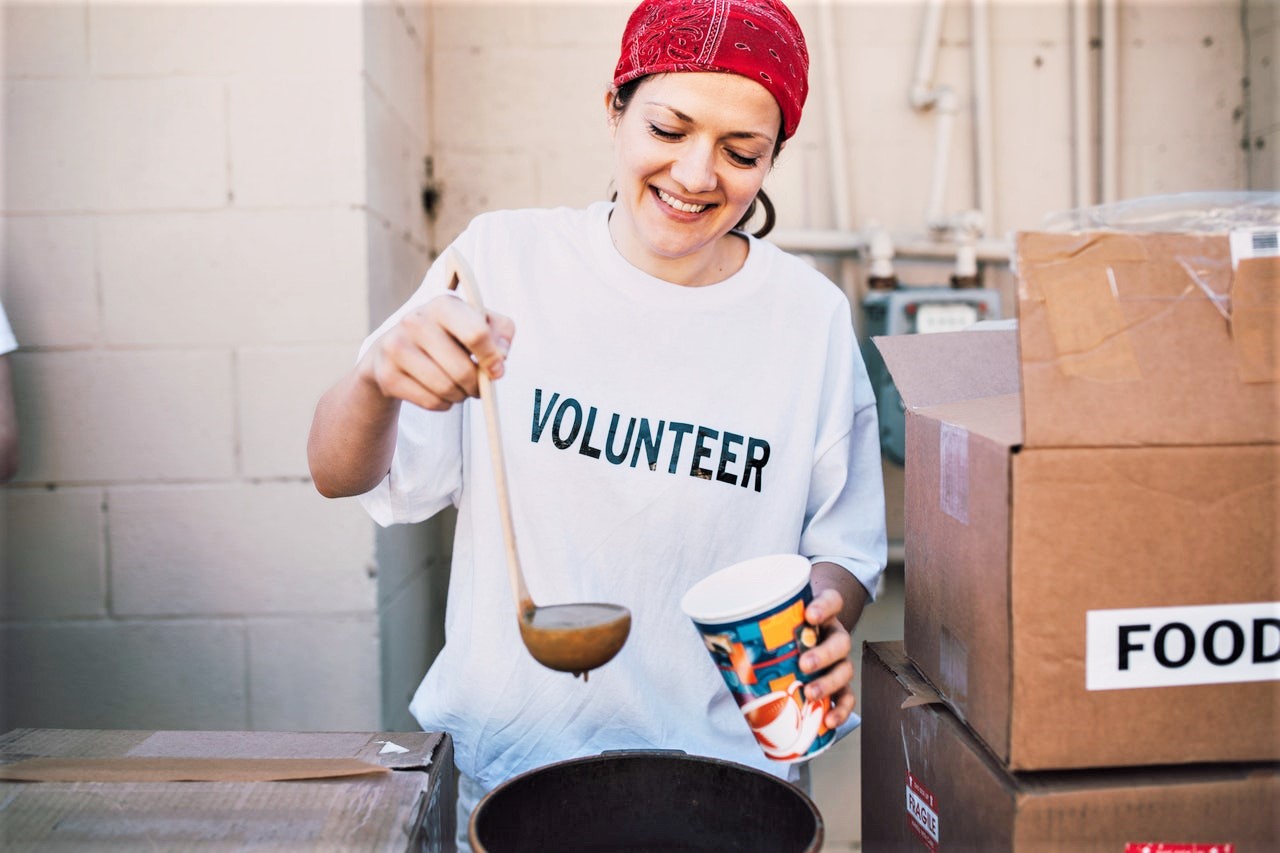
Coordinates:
(759, 39)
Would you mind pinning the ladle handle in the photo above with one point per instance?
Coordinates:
(461, 274)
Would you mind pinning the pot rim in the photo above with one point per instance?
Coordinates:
(662, 755)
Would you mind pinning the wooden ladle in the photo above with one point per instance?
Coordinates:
(574, 638)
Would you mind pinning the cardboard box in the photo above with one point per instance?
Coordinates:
(928, 784)
(1138, 339)
(1067, 535)
(280, 790)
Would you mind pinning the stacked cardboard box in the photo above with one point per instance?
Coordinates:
(1092, 504)
(928, 783)
(83, 789)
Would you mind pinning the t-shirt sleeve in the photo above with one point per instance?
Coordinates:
(845, 517)
(426, 468)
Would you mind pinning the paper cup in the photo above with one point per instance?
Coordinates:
(751, 617)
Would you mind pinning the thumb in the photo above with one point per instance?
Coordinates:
(501, 331)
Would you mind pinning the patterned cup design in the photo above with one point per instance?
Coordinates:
(758, 656)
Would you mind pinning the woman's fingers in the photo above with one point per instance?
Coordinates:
(484, 337)
(430, 357)
(829, 660)
(842, 707)
(825, 606)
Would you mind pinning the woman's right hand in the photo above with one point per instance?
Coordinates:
(430, 357)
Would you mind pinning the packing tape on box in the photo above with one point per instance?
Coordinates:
(953, 471)
(1074, 278)
(132, 769)
(1087, 326)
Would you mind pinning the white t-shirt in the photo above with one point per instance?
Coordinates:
(653, 434)
(8, 343)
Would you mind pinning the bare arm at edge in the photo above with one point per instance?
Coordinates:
(8, 424)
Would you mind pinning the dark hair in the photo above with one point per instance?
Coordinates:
(622, 99)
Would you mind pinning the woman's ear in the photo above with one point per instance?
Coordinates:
(611, 113)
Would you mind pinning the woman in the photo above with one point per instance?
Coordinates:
(679, 396)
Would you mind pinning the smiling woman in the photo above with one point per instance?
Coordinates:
(691, 153)
(694, 397)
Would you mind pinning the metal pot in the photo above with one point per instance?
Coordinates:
(645, 800)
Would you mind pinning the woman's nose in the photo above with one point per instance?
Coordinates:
(694, 169)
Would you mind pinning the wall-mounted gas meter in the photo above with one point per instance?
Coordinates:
(908, 311)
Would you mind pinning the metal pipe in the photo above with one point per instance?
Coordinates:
(815, 241)
(1082, 167)
(836, 155)
(1109, 86)
(922, 93)
(842, 208)
(983, 134)
(945, 107)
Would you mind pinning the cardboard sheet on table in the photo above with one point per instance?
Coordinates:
(157, 769)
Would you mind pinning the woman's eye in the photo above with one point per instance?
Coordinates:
(662, 134)
(742, 160)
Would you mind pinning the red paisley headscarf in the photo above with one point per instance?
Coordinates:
(759, 39)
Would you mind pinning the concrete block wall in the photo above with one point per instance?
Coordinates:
(204, 205)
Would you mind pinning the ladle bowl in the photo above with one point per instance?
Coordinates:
(574, 638)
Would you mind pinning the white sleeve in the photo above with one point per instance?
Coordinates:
(8, 343)
(845, 517)
(426, 468)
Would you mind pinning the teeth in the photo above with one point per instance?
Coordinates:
(679, 205)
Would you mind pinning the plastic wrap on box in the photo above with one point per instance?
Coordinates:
(1191, 213)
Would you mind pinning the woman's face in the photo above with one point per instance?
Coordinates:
(691, 151)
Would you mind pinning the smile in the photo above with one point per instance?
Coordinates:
(671, 201)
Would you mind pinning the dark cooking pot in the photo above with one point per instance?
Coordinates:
(645, 800)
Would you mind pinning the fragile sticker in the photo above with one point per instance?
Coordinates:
(922, 812)
(1177, 646)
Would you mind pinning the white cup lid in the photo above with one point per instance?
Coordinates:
(747, 588)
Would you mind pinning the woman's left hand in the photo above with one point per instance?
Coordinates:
(832, 651)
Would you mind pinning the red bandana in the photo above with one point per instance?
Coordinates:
(758, 39)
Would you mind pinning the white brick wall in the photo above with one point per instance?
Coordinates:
(243, 548)
(277, 388)
(127, 675)
(53, 577)
(233, 277)
(78, 140)
(189, 194)
(225, 39)
(49, 261)
(297, 141)
(291, 667)
(124, 415)
(53, 40)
